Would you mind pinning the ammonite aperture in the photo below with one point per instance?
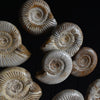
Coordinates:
(16, 84)
(57, 66)
(69, 94)
(93, 92)
(12, 52)
(67, 36)
(84, 62)
(36, 16)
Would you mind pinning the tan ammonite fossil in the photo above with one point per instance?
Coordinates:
(57, 66)
(12, 51)
(16, 84)
(69, 94)
(67, 36)
(36, 16)
(84, 62)
(93, 92)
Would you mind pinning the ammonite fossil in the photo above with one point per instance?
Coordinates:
(84, 62)
(69, 94)
(16, 84)
(12, 51)
(93, 92)
(67, 36)
(57, 66)
(36, 17)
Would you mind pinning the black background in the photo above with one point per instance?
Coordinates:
(84, 13)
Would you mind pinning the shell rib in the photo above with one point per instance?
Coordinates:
(16, 84)
(36, 16)
(69, 94)
(12, 52)
(84, 62)
(57, 66)
(93, 92)
(67, 36)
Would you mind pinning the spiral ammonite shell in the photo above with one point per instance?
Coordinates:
(10, 37)
(16, 84)
(12, 52)
(57, 66)
(69, 94)
(67, 36)
(36, 16)
(84, 62)
(93, 92)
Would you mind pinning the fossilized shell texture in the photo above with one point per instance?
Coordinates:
(36, 16)
(16, 84)
(69, 94)
(10, 38)
(67, 36)
(12, 52)
(93, 92)
(84, 62)
(57, 66)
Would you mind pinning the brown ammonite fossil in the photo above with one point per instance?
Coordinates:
(84, 62)
(93, 92)
(16, 84)
(12, 51)
(36, 17)
(66, 36)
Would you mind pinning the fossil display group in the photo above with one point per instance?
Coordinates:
(64, 56)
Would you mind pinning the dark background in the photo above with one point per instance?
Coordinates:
(84, 13)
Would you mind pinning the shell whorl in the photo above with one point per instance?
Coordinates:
(19, 56)
(93, 92)
(36, 16)
(10, 37)
(67, 36)
(69, 94)
(84, 62)
(57, 66)
(16, 84)
(12, 52)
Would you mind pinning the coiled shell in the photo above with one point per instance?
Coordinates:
(93, 92)
(36, 16)
(16, 84)
(69, 94)
(10, 37)
(12, 52)
(84, 62)
(57, 66)
(67, 36)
